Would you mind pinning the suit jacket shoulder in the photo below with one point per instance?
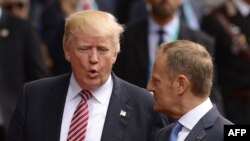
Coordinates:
(210, 127)
(39, 110)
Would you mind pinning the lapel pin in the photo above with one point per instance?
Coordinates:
(4, 33)
(123, 113)
(198, 138)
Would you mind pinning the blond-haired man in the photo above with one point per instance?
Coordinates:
(181, 83)
(116, 110)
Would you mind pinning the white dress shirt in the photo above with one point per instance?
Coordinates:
(171, 34)
(97, 105)
(190, 119)
(243, 7)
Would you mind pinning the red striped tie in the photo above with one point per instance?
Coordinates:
(79, 122)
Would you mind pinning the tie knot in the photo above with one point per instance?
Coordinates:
(177, 127)
(161, 32)
(85, 94)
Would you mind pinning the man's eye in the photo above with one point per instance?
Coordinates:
(103, 49)
(155, 81)
(83, 49)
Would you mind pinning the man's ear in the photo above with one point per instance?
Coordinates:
(115, 57)
(181, 83)
(66, 53)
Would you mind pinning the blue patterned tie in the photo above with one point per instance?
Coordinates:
(174, 133)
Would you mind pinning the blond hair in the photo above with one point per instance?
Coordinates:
(192, 60)
(93, 23)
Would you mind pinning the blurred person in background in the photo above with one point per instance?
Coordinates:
(36, 8)
(141, 39)
(229, 25)
(21, 9)
(20, 59)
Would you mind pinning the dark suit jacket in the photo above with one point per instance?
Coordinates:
(132, 62)
(20, 61)
(209, 128)
(39, 112)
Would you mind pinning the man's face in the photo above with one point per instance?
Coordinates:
(91, 59)
(162, 86)
(163, 8)
(19, 9)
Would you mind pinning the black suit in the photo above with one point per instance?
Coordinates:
(132, 62)
(20, 61)
(39, 113)
(209, 128)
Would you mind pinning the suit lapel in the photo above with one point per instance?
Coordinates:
(168, 131)
(54, 109)
(118, 113)
(198, 133)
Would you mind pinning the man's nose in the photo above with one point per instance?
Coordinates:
(94, 56)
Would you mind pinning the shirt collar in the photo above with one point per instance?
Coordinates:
(101, 94)
(190, 119)
(243, 7)
(75, 87)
